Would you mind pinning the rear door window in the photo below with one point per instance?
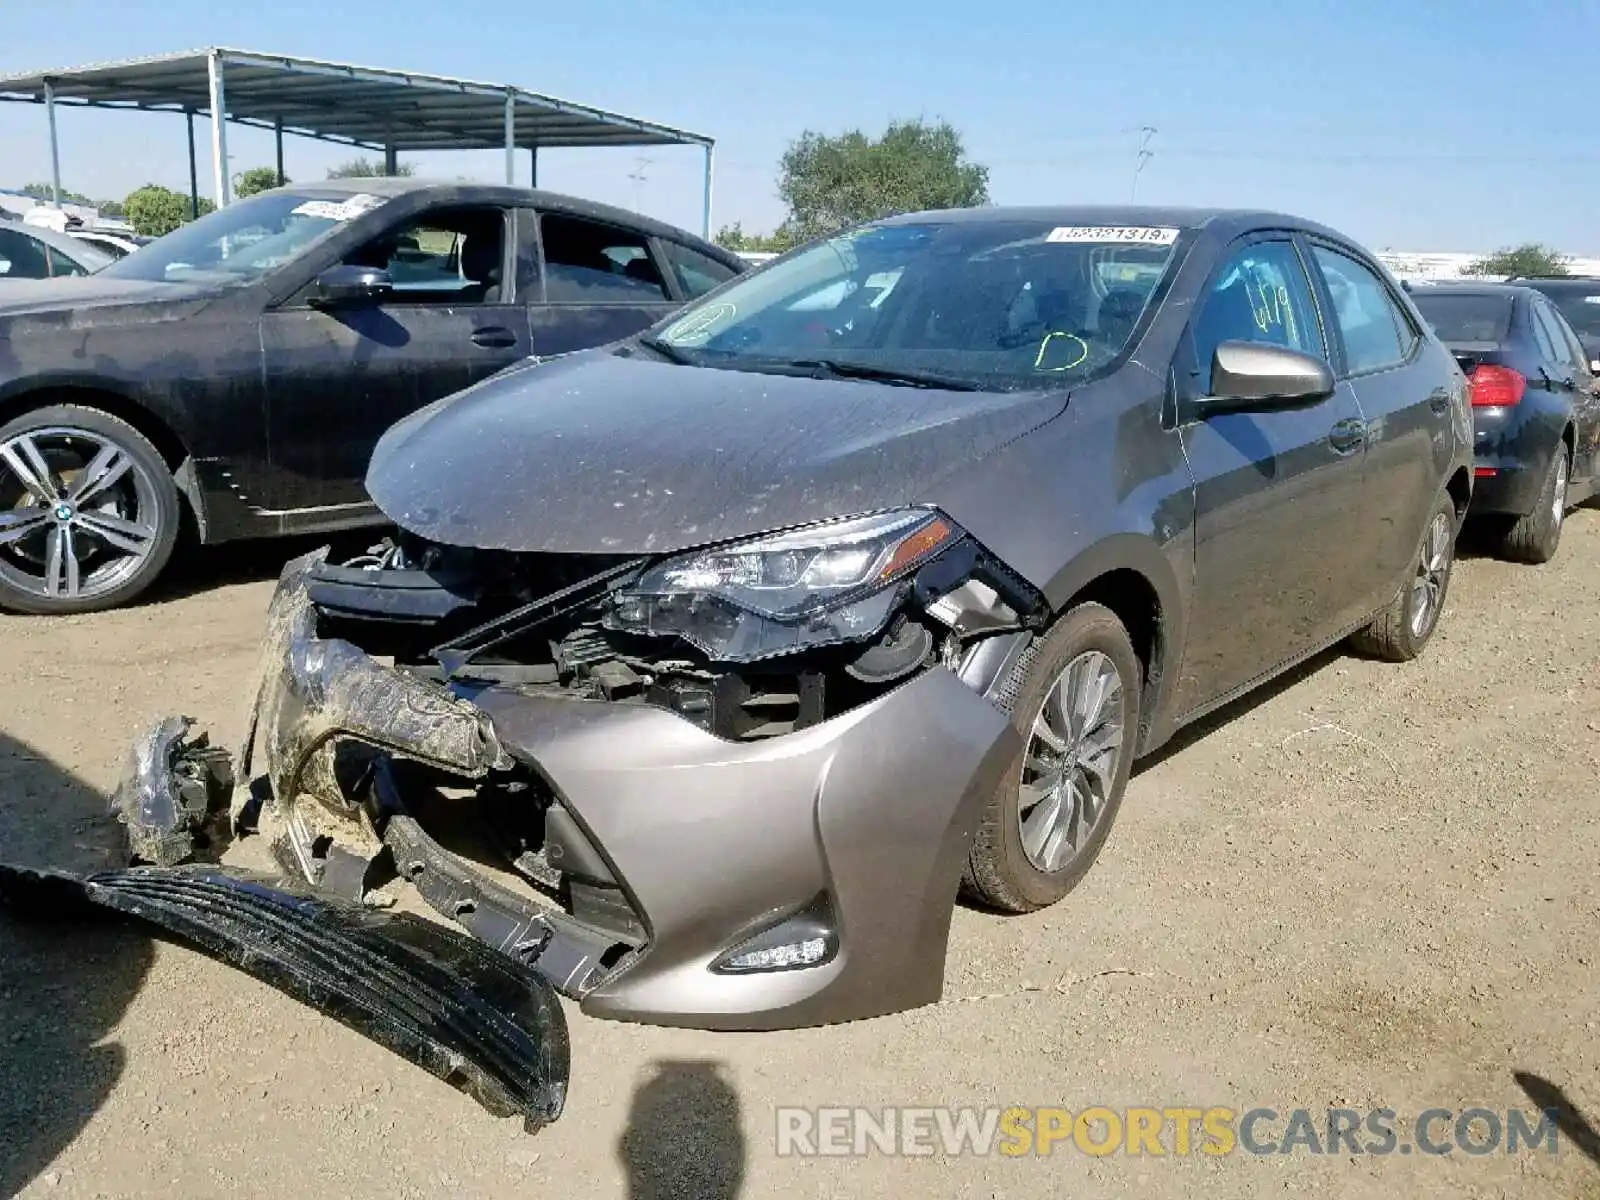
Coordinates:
(1545, 335)
(1567, 355)
(1376, 334)
(22, 257)
(696, 273)
(592, 262)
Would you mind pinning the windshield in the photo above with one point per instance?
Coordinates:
(1465, 318)
(1001, 304)
(243, 242)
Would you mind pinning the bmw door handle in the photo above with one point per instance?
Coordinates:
(494, 337)
(1347, 436)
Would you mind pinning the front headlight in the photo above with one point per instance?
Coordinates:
(838, 581)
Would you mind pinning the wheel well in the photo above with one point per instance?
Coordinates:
(1460, 489)
(1133, 598)
(166, 442)
(1570, 437)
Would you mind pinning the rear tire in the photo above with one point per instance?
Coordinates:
(89, 511)
(1400, 631)
(1081, 682)
(1535, 536)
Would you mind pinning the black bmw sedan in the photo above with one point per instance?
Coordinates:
(238, 372)
(1535, 409)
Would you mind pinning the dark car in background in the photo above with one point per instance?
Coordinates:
(29, 252)
(1578, 299)
(244, 366)
(1535, 408)
(868, 575)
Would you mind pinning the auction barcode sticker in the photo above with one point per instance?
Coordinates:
(1146, 235)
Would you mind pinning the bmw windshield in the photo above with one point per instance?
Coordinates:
(995, 305)
(245, 241)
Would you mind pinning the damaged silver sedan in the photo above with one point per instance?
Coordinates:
(708, 667)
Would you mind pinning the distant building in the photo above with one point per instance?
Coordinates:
(1441, 266)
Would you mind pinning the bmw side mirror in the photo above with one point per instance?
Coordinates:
(1248, 376)
(346, 284)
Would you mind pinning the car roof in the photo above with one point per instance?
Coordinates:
(1509, 290)
(1541, 282)
(1226, 221)
(496, 193)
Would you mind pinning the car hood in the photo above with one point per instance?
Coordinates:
(21, 297)
(600, 453)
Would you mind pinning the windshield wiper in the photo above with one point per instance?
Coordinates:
(850, 370)
(667, 351)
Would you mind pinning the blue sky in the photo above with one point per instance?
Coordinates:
(1410, 124)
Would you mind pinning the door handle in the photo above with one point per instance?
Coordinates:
(1347, 436)
(495, 337)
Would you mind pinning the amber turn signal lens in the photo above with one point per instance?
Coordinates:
(917, 547)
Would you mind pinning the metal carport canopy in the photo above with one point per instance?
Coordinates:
(368, 107)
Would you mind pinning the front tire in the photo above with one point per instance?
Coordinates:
(1399, 633)
(1077, 709)
(89, 512)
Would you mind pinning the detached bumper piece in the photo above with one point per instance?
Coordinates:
(174, 795)
(443, 1001)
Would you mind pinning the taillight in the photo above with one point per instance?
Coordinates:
(1496, 387)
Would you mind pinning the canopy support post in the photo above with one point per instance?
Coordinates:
(219, 130)
(511, 138)
(194, 169)
(55, 146)
(705, 223)
(277, 136)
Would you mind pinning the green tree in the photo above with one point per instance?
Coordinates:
(256, 180)
(368, 168)
(1531, 258)
(42, 191)
(830, 183)
(154, 210)
(733, 237)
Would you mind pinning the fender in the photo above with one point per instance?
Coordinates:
(1144, 557)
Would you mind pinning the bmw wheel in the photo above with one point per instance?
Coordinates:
(1077, 709)
(89, 511)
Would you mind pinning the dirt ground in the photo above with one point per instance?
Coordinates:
(1371, 886)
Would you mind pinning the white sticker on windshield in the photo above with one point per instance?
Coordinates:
(1591, 299)
(1144, 235)
(339, 210)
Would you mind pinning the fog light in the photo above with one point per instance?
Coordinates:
(804, 939)
(791, 954)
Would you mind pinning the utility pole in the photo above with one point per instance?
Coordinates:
(1144, 155)
(639, 179)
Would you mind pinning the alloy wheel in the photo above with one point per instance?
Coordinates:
(1558, 503)
(1433, 572)
(1070, 768)
(78, 513)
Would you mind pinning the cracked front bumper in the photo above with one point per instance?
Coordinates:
(712, 842)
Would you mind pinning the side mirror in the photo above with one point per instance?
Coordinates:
(1253, 376)
(351, 285)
